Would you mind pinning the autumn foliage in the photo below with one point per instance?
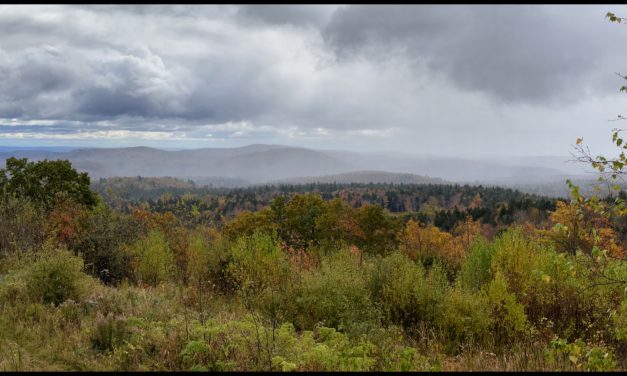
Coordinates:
(313, 282)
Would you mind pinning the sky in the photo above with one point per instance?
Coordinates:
(454, 80)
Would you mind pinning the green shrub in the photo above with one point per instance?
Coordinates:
(466, 321)
(407, 294)
(54, 277)
(557, 292)
(569, 292)
(538, 279)
(335, 295)
(218, 260)
(515, 257)
(102, 247)
(257, 263)
(248, 345)
(620, 322)
(194, 355)
(476, 269)
(261, 275)
(148, 345)
(509, 321)
(13, 289)
(229, 346)
(580, 355)
(394, 355)
(199, 258)
(335, 352)
(153, 260)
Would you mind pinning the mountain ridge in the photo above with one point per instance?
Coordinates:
(265, 163)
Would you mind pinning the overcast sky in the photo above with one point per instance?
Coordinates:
(423, 79)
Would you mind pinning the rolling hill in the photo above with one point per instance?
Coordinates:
(260, 164)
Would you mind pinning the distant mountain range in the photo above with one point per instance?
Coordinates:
(259, 164)
(252, 164)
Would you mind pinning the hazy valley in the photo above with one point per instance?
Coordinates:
(275, 164)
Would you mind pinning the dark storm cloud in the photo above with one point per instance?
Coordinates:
(513, 53)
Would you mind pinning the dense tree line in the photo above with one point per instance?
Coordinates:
(439, 204)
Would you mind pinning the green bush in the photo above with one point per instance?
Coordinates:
(557, 292)
(218, 258)
(394, 355)
(335, 352)
(509, 321)
(71, 314)
(569, 292)
(579, 355)
(147, 345)
(476, 268)
(54, 277)
(407, 294)
(466, 321)
(335, 295)
(620, 322)
(199, 258)
(194, 355)
(102, 247)
(539, 279)
(248, 345)
(229, 346)
(153, 259)
(515, 257)
(257, 263)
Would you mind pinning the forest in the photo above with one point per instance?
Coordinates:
(440, 204)
(138, 274)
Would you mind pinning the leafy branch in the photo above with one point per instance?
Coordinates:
(614, 18)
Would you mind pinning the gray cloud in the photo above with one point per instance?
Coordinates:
(357, 26)
(167, 69)
(298, 15)
(66, 83)
(512, 53)
(396, 77)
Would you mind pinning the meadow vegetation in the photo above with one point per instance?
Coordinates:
(304, 284)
